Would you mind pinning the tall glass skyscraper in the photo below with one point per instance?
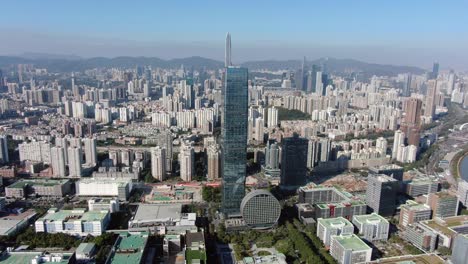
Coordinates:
(234, 138)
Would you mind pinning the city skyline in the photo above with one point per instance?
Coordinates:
(358, 30)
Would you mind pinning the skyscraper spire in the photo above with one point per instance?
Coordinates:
(227, 54)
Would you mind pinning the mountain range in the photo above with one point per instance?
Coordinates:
(67, 63)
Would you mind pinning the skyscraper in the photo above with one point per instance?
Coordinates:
(381, 194)
(272, 117)
(294, 162)
(435, 70)
(227, 54)
(158, 163)
(234, 138)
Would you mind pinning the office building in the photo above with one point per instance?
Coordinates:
(333, 227)
(443, 204)
(459, 252)
(234, 138)
(349, 249)
(391, 170)
(463, 192)
(214, 162)
(294, 162)
(187, 163)
(421, 186)
(260, 209)
(381, 194)
(372, 227)
(413, 212)
(158, 163)
(76, 222)
(421, 237)
(4, 158)
(58, 161)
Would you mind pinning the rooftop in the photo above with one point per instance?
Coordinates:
(27, 257)
(158, 211)
(351, 242)
(334, 222)
(129, 248)
(418, 259)
(76, 214)
(370, 218)
(447, 224)
(85, 248)
(38, 182)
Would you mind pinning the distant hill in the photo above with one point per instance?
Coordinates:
(57, 63)
(335, 65)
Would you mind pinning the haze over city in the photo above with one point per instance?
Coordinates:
(398, 32)
(233, 132)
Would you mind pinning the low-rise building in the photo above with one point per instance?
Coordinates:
(77, 222)
(459, 252)
(372, 227)
(411, 259)
(346, 209)
(443, 204)
(102, 204)
(85, 252)
(13, 224)
(37, 257)
(413, 212)
(40, 187)
(99, 187)
(419, 187)
(349, 249)
(130, 247)
(448, 229)
(157, 217)
(195, 250)
(421, 237)
(333, 227)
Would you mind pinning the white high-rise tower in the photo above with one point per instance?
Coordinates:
(227, 55)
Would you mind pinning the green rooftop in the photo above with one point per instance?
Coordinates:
(351, 242)
(129, 248)
(70, 215)
(38, 182)
(334, 222)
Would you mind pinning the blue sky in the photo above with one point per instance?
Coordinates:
(411, 32)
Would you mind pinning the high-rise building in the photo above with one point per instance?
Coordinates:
(4, 158)
(214, 162)
(429, 109)
(234, 138)
(187, 162)
(350, 249)
(294, 162)
(272, 117)
(435, 70)
(90, 150)
(406, 91)
(328, 227)
(63, 142)
(413, 108)
(381, 193)
(413, 212)
(463, 192)
(227, 54)
(272, 159)
(398, 140)
(74, 161)
(158, 163)
(57, 155)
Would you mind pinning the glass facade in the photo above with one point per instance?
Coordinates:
(234, 138)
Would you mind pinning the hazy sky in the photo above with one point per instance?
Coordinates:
(404, 32)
